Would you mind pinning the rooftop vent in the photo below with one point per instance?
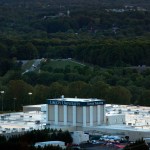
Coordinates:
(62, 97)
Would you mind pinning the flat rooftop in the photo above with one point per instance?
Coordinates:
(26, 121)
(76, 101)
(136, 117)
(20, 121)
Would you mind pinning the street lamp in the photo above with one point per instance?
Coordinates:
(14, 102)
(30, 96)
(2, 92)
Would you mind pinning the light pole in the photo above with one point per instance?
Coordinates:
(14, 102)
(2, 92)
(30, 96)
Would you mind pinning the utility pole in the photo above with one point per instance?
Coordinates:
(2, 93)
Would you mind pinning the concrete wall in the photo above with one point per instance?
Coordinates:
(94, 114)
(102, 114)
(115, 119)
(79, 136)
(60, 113)
(31, 108)
(135, 135)
(88, 115)
(51, 112)
(79, 115)
(70, 114)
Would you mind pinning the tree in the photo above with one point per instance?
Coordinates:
(31, 50)
(18, 89)
(67, 137)
(57, 89)
(31, 78)
(41, 93)
(135, 94)
(78, 88)
(13, 51)
(138, 145)
(119, 95)
(3, 51)
(2, 139)
(27, 51)
(145, 98)
(100, 90)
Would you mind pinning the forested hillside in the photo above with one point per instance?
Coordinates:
(111, 36)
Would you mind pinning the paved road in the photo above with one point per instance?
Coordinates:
(101, 148)
(34, 66)
(97, 147)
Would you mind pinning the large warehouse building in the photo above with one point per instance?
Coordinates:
(76, 112)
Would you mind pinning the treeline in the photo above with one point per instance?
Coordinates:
(27, 140)
(138, 145)
(103, 53)
(87, 33)
(115, 85)
(32, 19)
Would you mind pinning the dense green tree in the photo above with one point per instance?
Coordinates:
(145, 98)
(31, 78)
(57, 89)
(3, 51)
(102, 37)
(2, 139)
(138, 145)
(18, 89)
(31, 50)
(100, 90)
(136, 94)
(79, 89)
(119, 95)
(40, 94)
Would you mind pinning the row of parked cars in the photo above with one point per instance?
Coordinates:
(107, 138)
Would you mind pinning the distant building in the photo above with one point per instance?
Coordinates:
(38, 108)
(113, 119)
(79, 136)
(47, 143)
(75, 112)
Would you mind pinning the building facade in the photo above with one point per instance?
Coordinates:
(75, 112)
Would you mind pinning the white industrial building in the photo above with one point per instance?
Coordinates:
(79, 136)
(113, 119)
(52, 143)
(37, 108)
(75, 112)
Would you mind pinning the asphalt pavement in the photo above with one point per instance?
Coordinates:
(89, 146)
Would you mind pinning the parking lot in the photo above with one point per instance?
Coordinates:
(99, 147)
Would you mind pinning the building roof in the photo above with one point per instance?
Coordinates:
(54, 143)
(20, 121)
(76, 101)
(29, 108)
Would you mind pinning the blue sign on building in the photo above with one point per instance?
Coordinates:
(74, 103)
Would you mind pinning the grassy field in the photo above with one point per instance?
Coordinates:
(53, 64)
(62, 63)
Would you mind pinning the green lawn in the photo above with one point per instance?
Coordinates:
(55, 63)
(62, 63)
